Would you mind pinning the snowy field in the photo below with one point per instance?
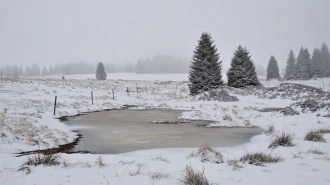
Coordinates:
(27, 123)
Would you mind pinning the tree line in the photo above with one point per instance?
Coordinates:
(304, 67)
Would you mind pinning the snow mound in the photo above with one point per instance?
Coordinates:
(217, 95)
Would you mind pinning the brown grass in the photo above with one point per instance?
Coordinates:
(315, 136)
(259, 158)
(283, 139)
(193, 177)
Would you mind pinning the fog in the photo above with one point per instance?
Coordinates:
(48, 32)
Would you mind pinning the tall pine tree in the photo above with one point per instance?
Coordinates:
(290, 68)
(242, 70)
(272, 70)
(100, 73)
(303, 65)
(205, 68)
(325, 61)
(316, 63)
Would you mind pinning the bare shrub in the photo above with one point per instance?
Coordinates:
(259, 158)
(316, 151)
(45, 159)
(99, 161)
(193, 177)
(283, 139)
(234, 163)
(159, 175)
(160, 158)
(314, 136)
(207, 153)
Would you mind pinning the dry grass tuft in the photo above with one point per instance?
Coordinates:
(159, 175)
(323, 131)
(234, 163)
(314, 136)
(138, 171)
(207, 153)
(45, 159)
(271, 129)
(99, 161)
(282, 139)
(160, 158)
(259, 158)
(193, 177)
(316, 151)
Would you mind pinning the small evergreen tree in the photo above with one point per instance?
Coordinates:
(290, 68)
(272, 69)
(242, 70)
(100, 73)
(205, 69)
(316, 63)
(1, 73)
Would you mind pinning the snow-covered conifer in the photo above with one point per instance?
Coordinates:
(242, 70)
(205, 69)
(100, 73)
(316, 63)
(272, 69)
(290, 68)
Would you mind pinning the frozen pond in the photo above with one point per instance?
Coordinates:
(120, 131)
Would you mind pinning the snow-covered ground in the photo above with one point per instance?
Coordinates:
(27, 123)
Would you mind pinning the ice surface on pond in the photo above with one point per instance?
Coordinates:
(122, 131)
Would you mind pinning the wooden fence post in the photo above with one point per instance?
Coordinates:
(92, 97)
(113, 94)
(55, 105)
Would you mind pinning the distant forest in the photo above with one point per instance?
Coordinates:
(156, 65)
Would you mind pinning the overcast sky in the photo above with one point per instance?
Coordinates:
(60, 31)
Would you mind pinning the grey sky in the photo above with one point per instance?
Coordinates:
(49, 31)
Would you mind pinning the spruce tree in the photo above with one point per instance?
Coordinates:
(303, 65)
(316, 63)
(290, 68)
(242, 70)
(272, 69)
(205, 68)
(1, 73)
(325, 61)
(100, 74)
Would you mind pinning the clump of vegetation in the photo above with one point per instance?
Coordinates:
(234, 163)
(160, 158)
(283, 139)
(138, 171)
(159, 175)
(259, 158)
(99, 161)
(207, 153)
(43, 159)
(314, 136)
(316, 151)
(271, 129)
(323, 130)
(193, 177)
